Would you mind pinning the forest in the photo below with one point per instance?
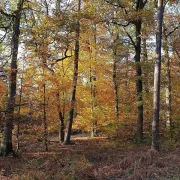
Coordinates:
(89, 89)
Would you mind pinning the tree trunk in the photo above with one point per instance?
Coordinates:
(45, 118)
(93, 84)
(116, 85)
(127, 69)
(61, 119)
(139, 82)
(75, 78)
(157, 72)
(146, 71)
(168, 83)
(7, 139)
(138, 26)
(19, 113)
(93, 104)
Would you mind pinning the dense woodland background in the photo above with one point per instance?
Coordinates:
(86, 68)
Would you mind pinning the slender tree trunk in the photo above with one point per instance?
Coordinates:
(168, 83)
(145, 59)
(139, 82)
(127, 69)
(157, 72)
(19, 114)
(61, 119)
(116, 85)
(75, 78)
(93, 104)
(7, 139)
(93, 84)
(45, 119)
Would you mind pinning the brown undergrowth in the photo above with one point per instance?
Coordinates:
(88, 159)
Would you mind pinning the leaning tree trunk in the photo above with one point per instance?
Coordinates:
(7, 139)
(74, 85)
(157, 73)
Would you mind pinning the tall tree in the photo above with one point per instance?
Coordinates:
(140, 4)
(157, 73)
(92, 79)
(138, 25)
(167, 35)
(74, 84)
(115, 77)
(168, 81)
(136, 21)
(7, 140)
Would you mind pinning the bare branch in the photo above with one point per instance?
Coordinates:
(123, 25)
(61, 59)
(65, 56)
(48, 68)
(145, 2)
(6, 31)
(3, 37)
(130, 37)
(171, 32)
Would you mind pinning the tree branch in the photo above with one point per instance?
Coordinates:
(123, 25)
(65, 56)
(130, 37)
(6, 31)
(172, 31)
(3, 37)
(144, 3)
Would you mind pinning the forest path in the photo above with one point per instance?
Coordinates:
(83, 137)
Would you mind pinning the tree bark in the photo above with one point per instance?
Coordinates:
(93, 104)
(139, 87)
(92, 79)
(146, 72)
(45, 119)
(61, 119)
(139, 82)
(116, 85)
(19, 113)
(127, 69)
(74, 85)
(168, 84)
(157, 73)
(7, 139)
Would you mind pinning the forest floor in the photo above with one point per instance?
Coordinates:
(91, 159)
